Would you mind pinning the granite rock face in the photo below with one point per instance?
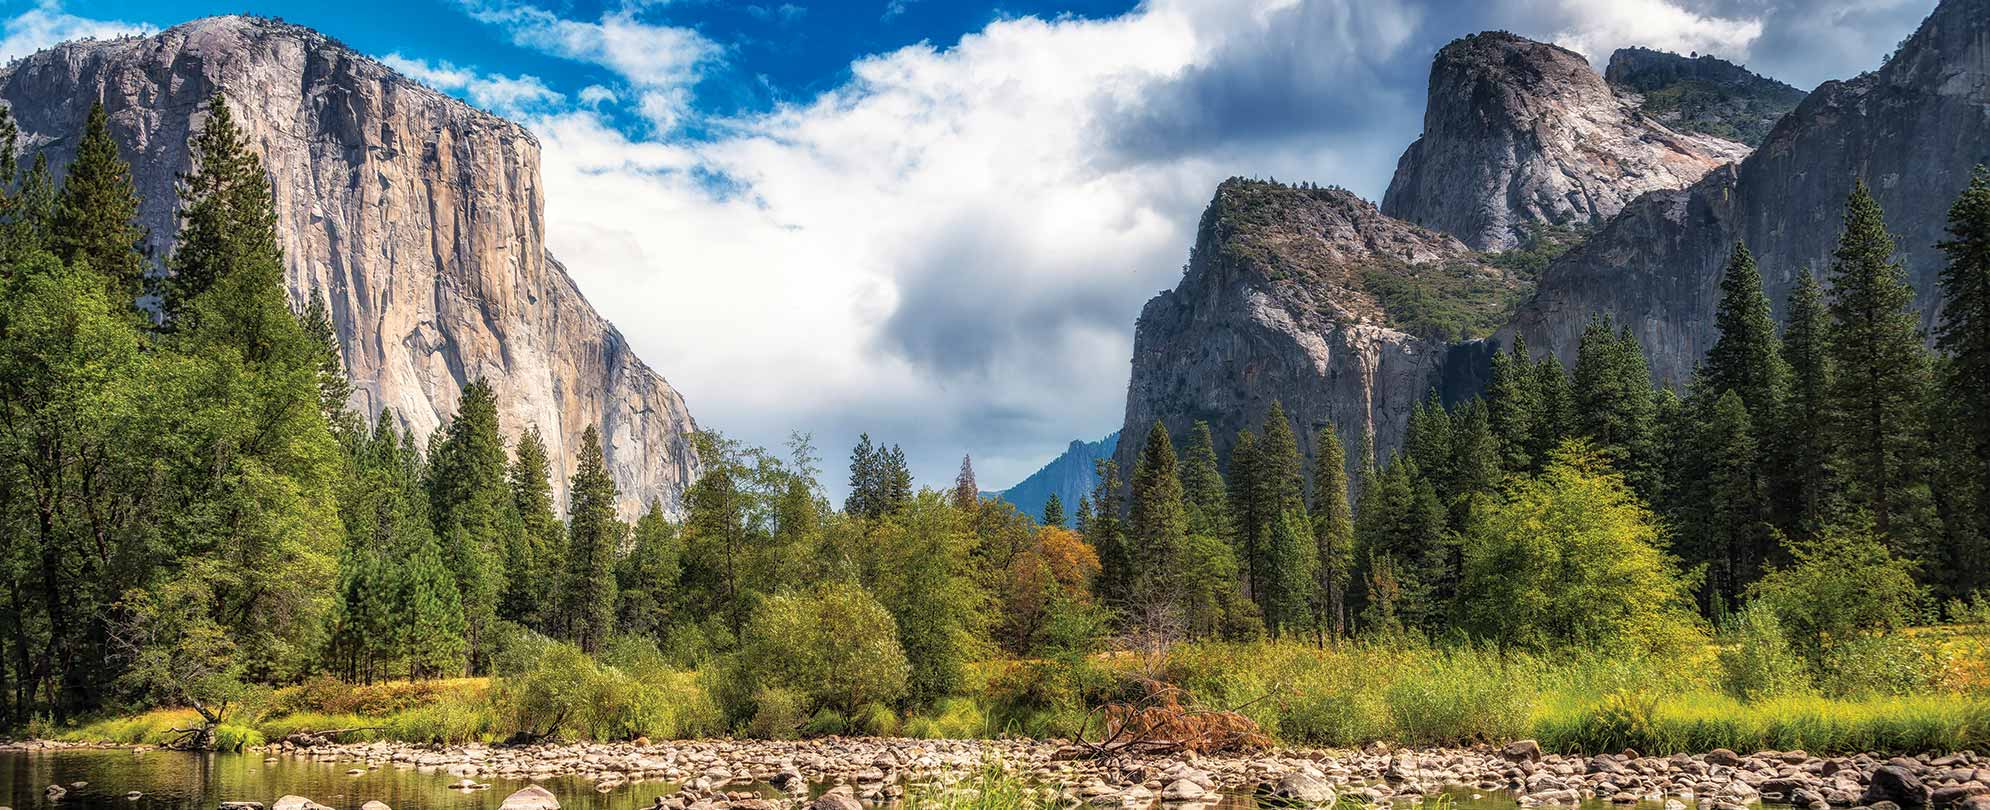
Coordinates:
(1912, 130)
(419, 217)
(1279, 302)
(1518, 132)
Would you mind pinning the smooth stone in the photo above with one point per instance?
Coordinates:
(531, 797)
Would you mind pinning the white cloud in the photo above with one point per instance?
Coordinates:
(661, 62)
(1597, 30)
(508, 95)
(47, 24)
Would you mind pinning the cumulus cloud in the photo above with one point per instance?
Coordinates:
(660, 62)
(508, 95)
(1599, 29)
(47, 24)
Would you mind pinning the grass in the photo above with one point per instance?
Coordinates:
(990, 788)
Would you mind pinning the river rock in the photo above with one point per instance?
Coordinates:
(1297, 789)
(1521, 751)
(55, 792)
(241, 806)
(1948, 795)
(531, 797)
(835, 801)
(375, 805)
(293, 802)
(1895, 783)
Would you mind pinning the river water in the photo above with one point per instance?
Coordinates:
(175, 780)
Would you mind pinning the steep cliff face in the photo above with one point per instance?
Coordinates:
(419, 217)
(1286, 298)
(1702, 94)
(1912, 130)
(1518, 132)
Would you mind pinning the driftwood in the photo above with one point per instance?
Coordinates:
(1158, 725)
(310, 739)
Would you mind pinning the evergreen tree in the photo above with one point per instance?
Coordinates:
(1248, 515)
(896, 480)
(1878, 373)
(1157, 527)
(1804, 486)
(334, 389)
(1475, 470)
(1747, 356)
(469, 503)
(532, 552)
(867, 485)
(1203, 491)
(1082, 521)
(1556, 420)
(1728, 529)
(1514, 407)
(1333, 534)
(1964, 334)
(227, 212)
(593, 535)
(1282, 562)
(428, 616)
(1107, 534)
(1427, 439)
(1613, 402)
(1053, 511)
(1289, 574)
(646, 579)
(95, 223)
(966, 494)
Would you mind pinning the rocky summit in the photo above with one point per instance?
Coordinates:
(1315, 299)
(1518, 133)
(419, 218)
(1702, 93)
(1911, 130)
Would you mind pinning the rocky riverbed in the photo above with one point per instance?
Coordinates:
(844, 773)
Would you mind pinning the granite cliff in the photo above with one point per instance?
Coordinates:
(1070, 476)
(1518, 132)
(1294, 294)
(1912, 130)
(419, 217)
(1702, 94)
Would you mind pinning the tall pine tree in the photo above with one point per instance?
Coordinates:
(95, 221)
(1333, 534)
(1156, 527)
(593, 536)
(1203, 491)
(1964, 334)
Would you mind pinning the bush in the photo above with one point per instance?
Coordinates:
(1756, 661)
(1881, 665)
(834, 646)
(1842, 584)
(876, 720)
(1464, 696)
(777, 714)
(825, 723)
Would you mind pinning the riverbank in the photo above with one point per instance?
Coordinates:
(739, 773)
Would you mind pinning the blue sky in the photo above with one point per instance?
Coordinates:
(937, 221)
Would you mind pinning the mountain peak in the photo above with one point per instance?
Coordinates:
(1519, 133)
(1702, 94)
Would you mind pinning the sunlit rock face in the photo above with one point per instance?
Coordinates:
(418, 217)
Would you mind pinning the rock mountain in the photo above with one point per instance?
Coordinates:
(1518, 133)
(1702, 93)
(1912, 130)
(419, 217)
(1287, 291)
(1070, 476)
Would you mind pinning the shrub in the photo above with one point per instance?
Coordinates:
(1756, 661)
(777, 715)
(233, 738)
(1881, 665)
(1466, 696)
(876, 720)
(950, 719)
(835, 646)
(1841, 585)
(826, 722)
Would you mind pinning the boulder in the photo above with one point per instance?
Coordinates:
(1521, 751)
(1298, 789)
(835, 801)
(530, 797)
(375, 805)
(1897, 784)
(1949, 795)
(293, 802)
(1722, 756)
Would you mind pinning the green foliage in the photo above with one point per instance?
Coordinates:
(593, 537)
(1333, 534)
(1838, 586)
(1540, 247)
(1571, 557)
(1157, 530)
(1613, 404)
(1881, 665)
(1964, 333)
(95, 225)
(1756, 660)
(833, 647)
(1445, 301)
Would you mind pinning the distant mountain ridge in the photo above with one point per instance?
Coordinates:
(1070, 475)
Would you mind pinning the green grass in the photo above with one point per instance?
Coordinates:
(990, 788)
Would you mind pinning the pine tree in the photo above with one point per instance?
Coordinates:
(1082, 521)
(896, 479)
(1248, 517)
(1729, 531)
(1514, 407)
(1107, 534)
(1278, 477)
(1156, 527)
(646, 579)
(227, 212)
(593, 535)
(428, 615)
(866, 498)
(1053, 511)
(469, 503)
(334, 389)
(95, 223)
(1556, 420)
(1613, 402)
(966, 494)
(1964, 333)
(1747, 356)
(532, 555)
(1427, 439)
(1804, 487)
(1289, 573)
(1333, 534)
(1878, 373)
(1203, 491)
(1475, 460)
